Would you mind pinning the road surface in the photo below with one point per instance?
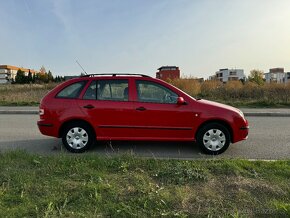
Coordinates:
(269, 139)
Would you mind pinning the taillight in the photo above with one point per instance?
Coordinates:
(41, 112)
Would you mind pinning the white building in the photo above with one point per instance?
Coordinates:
(225, 75)
(276, 75)
(8, 73)
(3, 77)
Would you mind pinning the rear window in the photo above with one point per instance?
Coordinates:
(72, 90)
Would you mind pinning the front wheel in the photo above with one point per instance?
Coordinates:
(213, 138)
(77, 137)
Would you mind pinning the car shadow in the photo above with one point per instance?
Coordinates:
(144, 149)
(150, 149)
(38, 146)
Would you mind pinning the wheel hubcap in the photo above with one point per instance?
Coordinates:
(77, 138)
(214, 139)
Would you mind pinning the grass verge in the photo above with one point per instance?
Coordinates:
(126, 186)
(23, 94)
(232, 93)
(254, 104)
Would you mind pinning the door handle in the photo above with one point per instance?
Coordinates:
(140, 108)
(89, 106)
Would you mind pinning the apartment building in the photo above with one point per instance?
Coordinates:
(8, 73)
(225, 75)
(277, 75)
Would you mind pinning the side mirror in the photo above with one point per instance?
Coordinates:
(180, 101)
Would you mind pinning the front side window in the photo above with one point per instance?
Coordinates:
(112, 90)
(155, 93)
(72, 90)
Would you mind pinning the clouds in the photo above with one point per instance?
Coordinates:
(63, 12)
(139, 36)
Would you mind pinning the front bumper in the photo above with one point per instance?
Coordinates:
(241, 130)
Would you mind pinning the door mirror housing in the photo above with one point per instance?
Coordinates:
(181, 101)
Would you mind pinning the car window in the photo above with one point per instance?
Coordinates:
(71, 91)
(112, 90)
(156, 93)
(91, 92)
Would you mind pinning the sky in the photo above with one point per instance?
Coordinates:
(139, 36)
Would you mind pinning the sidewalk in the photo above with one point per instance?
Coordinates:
(249, 112)
(18, 110)
(266, 112)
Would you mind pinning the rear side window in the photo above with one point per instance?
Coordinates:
(112, 90)
(72, 91)
(91, 92)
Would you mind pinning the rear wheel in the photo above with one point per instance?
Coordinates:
(78, 137)
(213, 138)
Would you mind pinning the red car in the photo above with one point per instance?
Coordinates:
(136, 107)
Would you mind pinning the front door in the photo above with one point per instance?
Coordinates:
(157, 114)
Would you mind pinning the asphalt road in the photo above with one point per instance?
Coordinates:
(269, 139)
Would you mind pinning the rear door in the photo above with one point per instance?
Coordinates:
(107, 105)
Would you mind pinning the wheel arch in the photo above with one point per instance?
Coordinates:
(68, 122)
(222, 122)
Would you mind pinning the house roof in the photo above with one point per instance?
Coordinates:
(167, 67)
(10, 67)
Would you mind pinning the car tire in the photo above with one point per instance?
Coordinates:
(78, 137)
(213, 138)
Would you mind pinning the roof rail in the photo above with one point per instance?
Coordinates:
(114, 74)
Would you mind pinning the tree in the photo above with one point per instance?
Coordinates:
(42, 70)
(57, 79)
(29, 78)
(34, 78)
(256, 76)
(50, 77)
(20, 77)
(43, 78)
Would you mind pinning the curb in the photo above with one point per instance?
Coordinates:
(18, 112)
(266, 114)
(247, 114)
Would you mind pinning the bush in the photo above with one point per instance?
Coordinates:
(189, 85)
(24, 94)
(236, 92)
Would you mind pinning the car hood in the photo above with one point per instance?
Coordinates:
(218, 105)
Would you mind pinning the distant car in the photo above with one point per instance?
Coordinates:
(136, 107)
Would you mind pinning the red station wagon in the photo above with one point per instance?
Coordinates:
(136, 107)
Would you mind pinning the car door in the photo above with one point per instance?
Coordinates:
(106, 103)
(157, 114)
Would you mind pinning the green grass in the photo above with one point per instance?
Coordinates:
(89, 185)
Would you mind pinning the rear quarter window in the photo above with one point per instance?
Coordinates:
(72, 90)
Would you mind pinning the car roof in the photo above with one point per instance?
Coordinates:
(109, 76)
(114, 74)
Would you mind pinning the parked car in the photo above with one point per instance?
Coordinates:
(136, 107)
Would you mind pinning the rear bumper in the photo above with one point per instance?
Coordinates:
(47, 128)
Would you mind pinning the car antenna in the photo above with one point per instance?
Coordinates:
(81, 67)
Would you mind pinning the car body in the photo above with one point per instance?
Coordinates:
(136, 107)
